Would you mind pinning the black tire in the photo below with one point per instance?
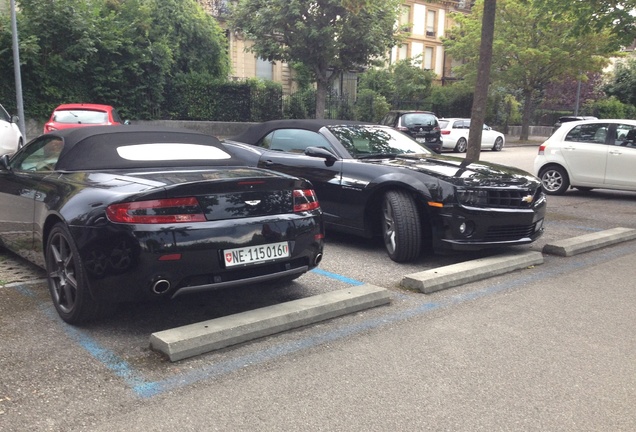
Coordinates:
(555, 180)
(498, 144)
(401, 226)
(67, 280)
(461, 145)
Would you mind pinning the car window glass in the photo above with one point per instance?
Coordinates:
(40, 155)
(294, 140)
(589, 133)
(4, 115)
(80, 117)
(116, 116)
(418, 119)
(360, 141)
(626, 135)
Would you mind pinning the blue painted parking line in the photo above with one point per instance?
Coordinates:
(145, 389)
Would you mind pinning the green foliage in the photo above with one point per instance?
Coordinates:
(124, 53)
(622, 83)
(370, 106)
(300, 104)
(612, 108)
(402, 81)
(201, 96)
(454, 100)
(533, 46)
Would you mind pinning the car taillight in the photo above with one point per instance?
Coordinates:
(305, 200)
(48, 128)
(542, 149)
(171, 210)
(402, 128)
(445, 132)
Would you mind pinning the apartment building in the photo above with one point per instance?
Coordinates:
(427, 21)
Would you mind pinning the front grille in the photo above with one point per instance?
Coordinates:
(514, 198)
(509, 232)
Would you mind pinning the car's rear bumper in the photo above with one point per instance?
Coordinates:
(146, 261)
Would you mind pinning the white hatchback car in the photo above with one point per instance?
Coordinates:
(455, 135)
(588, 154)
(10, 136)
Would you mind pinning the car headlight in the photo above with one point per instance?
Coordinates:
(472, 197)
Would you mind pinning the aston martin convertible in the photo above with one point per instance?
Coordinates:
(131, 213)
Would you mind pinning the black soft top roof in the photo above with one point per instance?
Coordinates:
(254, 133)
(95, 147)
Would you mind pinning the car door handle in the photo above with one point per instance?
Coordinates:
(269, 163)
(615, 152)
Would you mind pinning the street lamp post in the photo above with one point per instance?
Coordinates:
(16, 69)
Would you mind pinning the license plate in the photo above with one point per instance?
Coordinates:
(255, 254)
(420, 140)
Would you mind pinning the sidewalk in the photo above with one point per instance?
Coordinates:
(514, 141)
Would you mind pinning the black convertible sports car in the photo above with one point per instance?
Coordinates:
(373, 180)
(127, 213)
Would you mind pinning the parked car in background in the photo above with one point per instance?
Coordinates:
(588, 154)
(132, 213)
(423, 126)
(570, 118)
(372, 180)
(78, 115)
(10, 136)
(455, 135)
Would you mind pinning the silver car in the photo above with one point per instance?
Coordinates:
(588, 154)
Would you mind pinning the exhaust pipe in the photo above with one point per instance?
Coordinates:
(318, 259)
(161, 286)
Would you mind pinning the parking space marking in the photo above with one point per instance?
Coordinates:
(146, 389)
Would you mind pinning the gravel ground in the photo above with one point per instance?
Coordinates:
(14, 269)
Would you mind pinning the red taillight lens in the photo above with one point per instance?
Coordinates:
(542, 149)
(172, 210)
(445, 132)
(305, 200)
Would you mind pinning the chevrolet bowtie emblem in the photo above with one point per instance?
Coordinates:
(253, 202)
(528, 199)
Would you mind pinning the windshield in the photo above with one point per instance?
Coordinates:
(364, 141)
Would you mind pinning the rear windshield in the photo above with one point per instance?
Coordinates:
(419, 119)
(79, 116)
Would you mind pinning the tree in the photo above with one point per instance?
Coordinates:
(119, 52)
(532, 47)
(328, 36)
(402, 81)
(622, 84)
(478, 112)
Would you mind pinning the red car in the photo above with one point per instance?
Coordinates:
(79, 115)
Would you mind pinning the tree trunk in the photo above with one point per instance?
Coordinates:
(526, 115)
(478, 113)
(321, 98)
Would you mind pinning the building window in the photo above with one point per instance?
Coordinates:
(403, 52)
(405, 16)
(431, 20)
(428, 58)
(264, 69)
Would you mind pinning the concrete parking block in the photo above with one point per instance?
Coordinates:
(588, 242)
(194, 339)
(470, 271)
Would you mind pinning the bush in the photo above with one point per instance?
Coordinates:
(370, 106)
(611, 107)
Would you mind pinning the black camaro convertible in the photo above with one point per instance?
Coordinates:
(127, 213)
(373, 180)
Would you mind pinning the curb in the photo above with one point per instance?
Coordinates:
(457, 274)
(588, 242)
(194, 339)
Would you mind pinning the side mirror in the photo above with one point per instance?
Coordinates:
(126, 122)
(320, 152)
(4, 163)
(15, 119)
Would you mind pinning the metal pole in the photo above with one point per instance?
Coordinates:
(16, 69)
(578, 97)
